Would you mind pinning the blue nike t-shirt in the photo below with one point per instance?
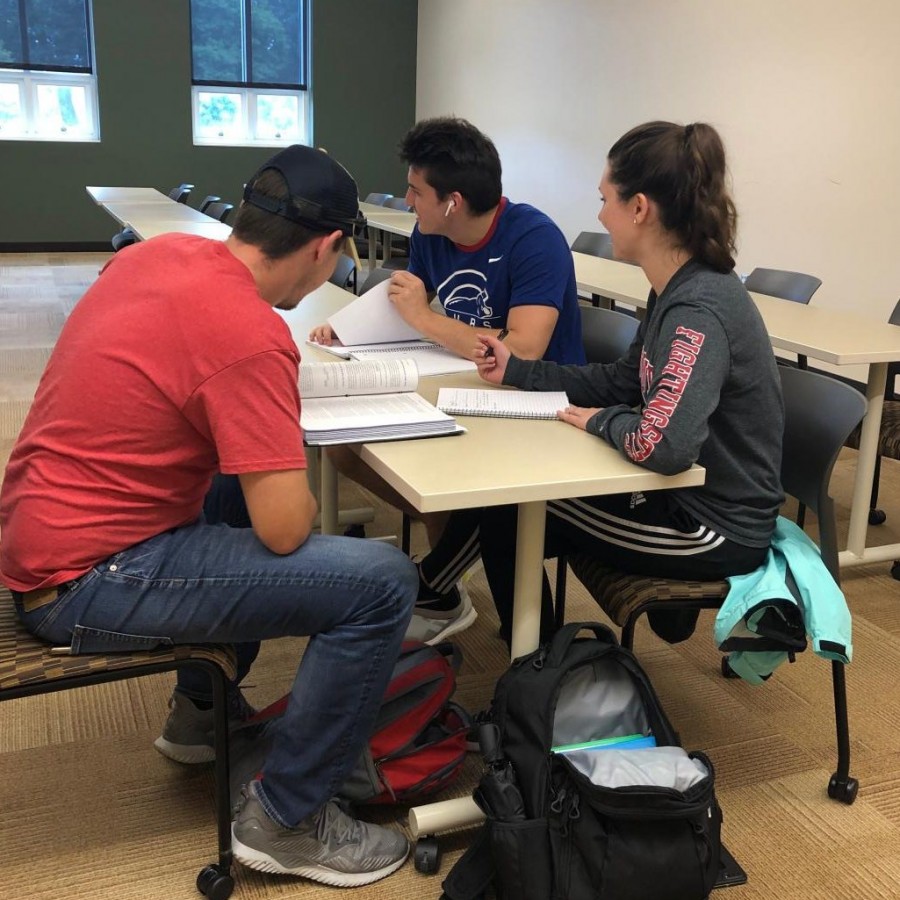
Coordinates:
(523, 260)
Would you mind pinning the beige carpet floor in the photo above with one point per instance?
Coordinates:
(90, 810)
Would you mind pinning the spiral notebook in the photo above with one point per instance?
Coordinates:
(502, 404)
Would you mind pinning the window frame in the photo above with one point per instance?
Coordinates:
(28, 76)
(251, 91)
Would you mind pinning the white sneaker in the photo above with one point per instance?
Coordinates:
(435, 625)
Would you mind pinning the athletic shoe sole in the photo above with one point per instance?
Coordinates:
(460, 623)
(187, 754)
(262, 862)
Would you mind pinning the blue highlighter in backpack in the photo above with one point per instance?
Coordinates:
(624, 742)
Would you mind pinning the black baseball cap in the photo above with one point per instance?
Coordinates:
(323, 194)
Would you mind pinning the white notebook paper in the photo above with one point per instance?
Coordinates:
(371, 328)
(371, 319)
(502, 404)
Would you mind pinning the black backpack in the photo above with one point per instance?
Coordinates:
(613, 820)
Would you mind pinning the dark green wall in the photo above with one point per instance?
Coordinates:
(361, 107)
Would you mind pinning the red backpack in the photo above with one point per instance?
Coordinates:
(418, 743)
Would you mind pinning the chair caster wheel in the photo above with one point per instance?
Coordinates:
(215, 882)
(877, 516)
(843, 789)
(895, 570)
(427, 855)
(357, 531)
(727, 671)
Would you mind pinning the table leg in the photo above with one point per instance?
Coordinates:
(373, 258)
(526, 633)
(865, 469)
(526, 628)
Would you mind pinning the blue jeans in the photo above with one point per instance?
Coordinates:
(207, 583)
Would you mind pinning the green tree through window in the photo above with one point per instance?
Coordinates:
(48, 35)
(249, 43)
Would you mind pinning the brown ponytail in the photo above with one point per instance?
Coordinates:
(682, 169)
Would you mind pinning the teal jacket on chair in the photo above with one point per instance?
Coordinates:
(818, 600)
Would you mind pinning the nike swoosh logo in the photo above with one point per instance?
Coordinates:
(494, 259)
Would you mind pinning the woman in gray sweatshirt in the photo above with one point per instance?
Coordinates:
(699, 384)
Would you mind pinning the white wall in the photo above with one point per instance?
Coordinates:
(806, 94)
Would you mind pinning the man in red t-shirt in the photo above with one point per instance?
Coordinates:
(167, 418)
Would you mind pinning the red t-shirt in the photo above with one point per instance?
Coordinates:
(169, 369)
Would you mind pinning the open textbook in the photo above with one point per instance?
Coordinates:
(503, 404)
(371, 328)
(375, 400)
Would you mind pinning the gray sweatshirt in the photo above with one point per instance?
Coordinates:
(699, 384)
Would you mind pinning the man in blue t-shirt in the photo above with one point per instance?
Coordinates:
(493, 264)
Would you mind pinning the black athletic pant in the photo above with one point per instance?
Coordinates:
(642, 533)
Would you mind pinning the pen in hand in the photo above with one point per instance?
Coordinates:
(489, 351)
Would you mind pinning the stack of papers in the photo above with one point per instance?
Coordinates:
(357, 402)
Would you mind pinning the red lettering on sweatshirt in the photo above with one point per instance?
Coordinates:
(640, 444)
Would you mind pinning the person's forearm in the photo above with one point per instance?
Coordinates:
(462, 339)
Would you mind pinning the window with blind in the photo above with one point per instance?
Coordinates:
(250, 71)
(48, 89)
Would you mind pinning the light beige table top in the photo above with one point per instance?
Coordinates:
(395, 221)
(497, 460)
(125, 194)
(147, 212)
(620, 281)
(829, 335)
(508, 461)
(146, 229)
(378, 209)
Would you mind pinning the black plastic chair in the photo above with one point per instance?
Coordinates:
(376, 276)
(819, 414)
(205, 202)
(795, 286)
(181, 193)
(606, 334)
(28, 667)
(219, 210)
(889, 436)
(344, 275)
(594, 243)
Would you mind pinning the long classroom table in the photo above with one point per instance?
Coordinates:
(838, 338)
(493, 463)
(386, 221)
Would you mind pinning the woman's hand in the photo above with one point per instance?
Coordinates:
(491, 357)
(322, 334)
(578, 416)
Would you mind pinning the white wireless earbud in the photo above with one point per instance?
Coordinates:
(450, 206)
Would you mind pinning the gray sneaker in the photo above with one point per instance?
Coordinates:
(329, 846)
(435, 625)
(188, 735)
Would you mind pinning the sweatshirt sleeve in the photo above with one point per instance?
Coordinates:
(682, 384)
(598, 384)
